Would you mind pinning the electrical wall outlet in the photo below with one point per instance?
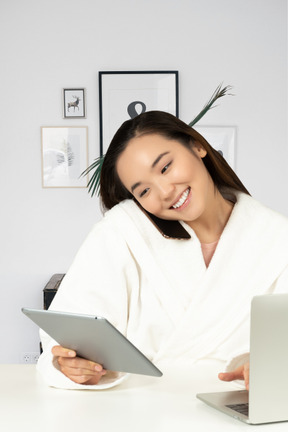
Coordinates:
(25, 357)
(35, 357)
(29, 357)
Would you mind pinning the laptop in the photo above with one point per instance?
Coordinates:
(267, 399)
(93, 338)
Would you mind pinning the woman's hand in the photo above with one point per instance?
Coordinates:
(242, 373)
(79, 370)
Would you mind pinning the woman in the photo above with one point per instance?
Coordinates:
(178, 297)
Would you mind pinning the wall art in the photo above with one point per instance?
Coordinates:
(124, 95)
(74, 103)
(64, 156)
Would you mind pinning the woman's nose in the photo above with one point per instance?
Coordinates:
(166, 189)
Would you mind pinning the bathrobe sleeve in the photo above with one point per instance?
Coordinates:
(97, 283)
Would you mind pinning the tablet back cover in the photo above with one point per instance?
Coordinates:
(93, 338)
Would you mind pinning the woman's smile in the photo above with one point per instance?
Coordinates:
(183, 201)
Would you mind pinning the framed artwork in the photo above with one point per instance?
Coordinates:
(74, 103)
(222, 138)
(124, 95)
(64, 156)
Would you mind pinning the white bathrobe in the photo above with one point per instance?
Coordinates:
(159, 293)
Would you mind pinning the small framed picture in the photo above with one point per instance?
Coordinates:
(221, 138)
(64, 156)
(124, 95)
(74, 103)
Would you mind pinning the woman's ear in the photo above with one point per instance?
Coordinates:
(199, 150)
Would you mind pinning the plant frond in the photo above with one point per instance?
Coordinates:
(218, 93)
(94, 182)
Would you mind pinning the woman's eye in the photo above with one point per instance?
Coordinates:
(143, 192)
(165, 168)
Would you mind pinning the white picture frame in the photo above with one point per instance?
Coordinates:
(123, 95)
(64, 156)
(221, 138)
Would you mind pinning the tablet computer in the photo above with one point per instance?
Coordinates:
(93, 338)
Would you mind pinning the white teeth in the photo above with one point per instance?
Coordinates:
(182, 199)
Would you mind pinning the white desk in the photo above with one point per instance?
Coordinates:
(139, 404)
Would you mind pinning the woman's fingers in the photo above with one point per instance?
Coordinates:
(59, 351)
(246, 375)
(241, 373)
(80, 365)
(77, 369)
(83, 376)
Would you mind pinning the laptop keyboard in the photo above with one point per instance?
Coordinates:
(241, 408)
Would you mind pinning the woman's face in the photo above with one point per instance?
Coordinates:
(166, 178)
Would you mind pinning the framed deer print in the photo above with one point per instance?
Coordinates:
(74, 103)
(64, 156)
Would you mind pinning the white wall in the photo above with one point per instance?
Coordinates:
(48, 45)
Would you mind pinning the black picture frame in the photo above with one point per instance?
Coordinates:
(124, 94)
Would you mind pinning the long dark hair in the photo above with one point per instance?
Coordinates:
(112, 190)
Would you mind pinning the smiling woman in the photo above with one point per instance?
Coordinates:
(172, 171)
(178, 298)
(147, 128)
(168, 179)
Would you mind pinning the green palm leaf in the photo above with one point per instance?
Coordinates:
(218, 93)
(94, 182)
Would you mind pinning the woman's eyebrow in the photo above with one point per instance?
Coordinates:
(158, 159)
(135, 185)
